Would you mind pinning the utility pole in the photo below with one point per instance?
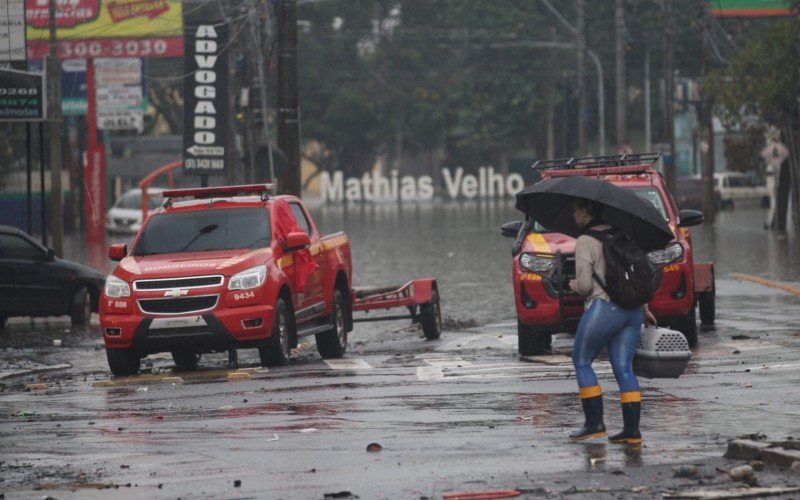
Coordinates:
(707, 130)
(648, 133)
(262, 85)
(622, 94)
(581, 45)
(54, 132)
(550, 112)
(288, 97)
(669, 77)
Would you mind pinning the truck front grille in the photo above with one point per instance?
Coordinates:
(168, 283)
(178, 306)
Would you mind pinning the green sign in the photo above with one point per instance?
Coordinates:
(749, 8)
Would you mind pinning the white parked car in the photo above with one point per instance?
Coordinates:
(735, 187)
(125, 216)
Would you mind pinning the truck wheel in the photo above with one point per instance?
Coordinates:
(123, 361)
(687, 325)
(533, 341)
(333, 343)
(80, 309)
(430, 316)
(186, 361)
(274, 351)
(707, 307)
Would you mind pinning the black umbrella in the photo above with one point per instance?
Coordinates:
(550, 203)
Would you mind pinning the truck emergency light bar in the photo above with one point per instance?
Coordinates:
(219, 192)
(590, 162)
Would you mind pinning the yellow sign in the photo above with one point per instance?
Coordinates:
(101, 19)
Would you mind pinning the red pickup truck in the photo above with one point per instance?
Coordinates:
(544, 262)
(220, 270)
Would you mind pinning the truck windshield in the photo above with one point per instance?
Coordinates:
(221, 229)
(654, 197)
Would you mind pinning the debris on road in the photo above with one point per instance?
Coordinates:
(480, 495)
(237, 483)
(340, 494)
(731, 493)
(687, 471)
(35, 387)
(56, 342)
(374, 447)
(172, 380)
(741, 473)
(238, 375)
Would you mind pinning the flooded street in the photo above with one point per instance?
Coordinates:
(461, 413)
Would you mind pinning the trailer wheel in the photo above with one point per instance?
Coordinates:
(186, 361)
(333, 343)
(430, 316)
(687, 325)
(707, 307)
(533, 340)
(274, 350)
(123, 361)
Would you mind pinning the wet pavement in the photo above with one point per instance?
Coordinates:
(460, 413)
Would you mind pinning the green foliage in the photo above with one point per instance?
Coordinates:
(762, 80)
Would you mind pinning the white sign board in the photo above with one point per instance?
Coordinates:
(12, 30)
(775, 153)
(118, 93)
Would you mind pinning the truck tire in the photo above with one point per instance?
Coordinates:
(80, 308)
(430, 316)
(533, 340)
(123, 361)
(707, 307)
(333, 343)
(687, 325)
(186, 361)
(274, 351)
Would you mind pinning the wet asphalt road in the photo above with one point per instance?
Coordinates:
(461, 413)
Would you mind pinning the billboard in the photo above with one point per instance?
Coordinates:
(12, 30)
(205, 134)
(749, 8)
(107, 28)
(22, 96)
(119, 94)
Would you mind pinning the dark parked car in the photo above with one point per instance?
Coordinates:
(34, 282)
(690, 194)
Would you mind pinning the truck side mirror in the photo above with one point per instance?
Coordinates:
(296, 241)
(511, 229)
(690, 218)
(117, 251)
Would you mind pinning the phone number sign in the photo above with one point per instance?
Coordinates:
(21, 96)
(110, 47)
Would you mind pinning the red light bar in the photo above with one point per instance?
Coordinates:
(220, 191)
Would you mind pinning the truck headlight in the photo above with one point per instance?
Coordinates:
(249, 278)
(536, 263)
(670, 254)
(115, 287)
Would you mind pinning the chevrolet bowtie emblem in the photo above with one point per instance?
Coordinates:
(176, 292)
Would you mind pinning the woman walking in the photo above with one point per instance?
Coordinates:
(604, 324)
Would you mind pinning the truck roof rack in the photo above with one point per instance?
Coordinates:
(588, 162)
(263, 190)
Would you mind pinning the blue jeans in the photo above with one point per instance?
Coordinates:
(607, 324)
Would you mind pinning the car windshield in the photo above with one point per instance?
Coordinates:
(134, 200)
(654, 197)
(221, 229)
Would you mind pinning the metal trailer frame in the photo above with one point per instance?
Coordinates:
(411, 295)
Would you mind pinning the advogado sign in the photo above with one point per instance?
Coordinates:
(205, 99)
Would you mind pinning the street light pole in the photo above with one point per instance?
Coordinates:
(288, 97)
(596, 60)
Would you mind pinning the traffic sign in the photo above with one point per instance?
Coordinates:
(775, 153)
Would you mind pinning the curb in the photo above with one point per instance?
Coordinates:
(771, 453)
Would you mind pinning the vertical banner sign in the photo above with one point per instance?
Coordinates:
(12, 30)
(119, 94)
(205, 99)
